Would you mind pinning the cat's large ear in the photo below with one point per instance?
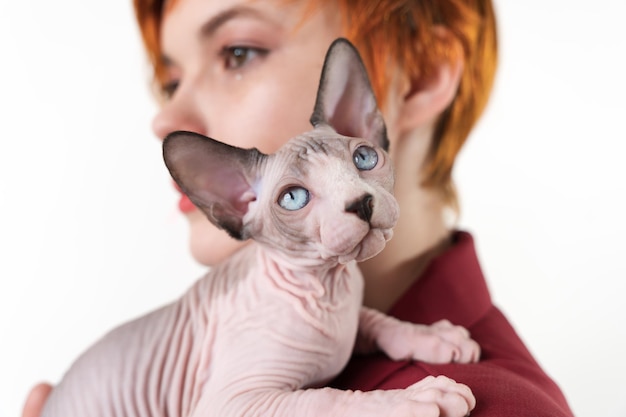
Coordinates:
(216, 177)
(345, 100)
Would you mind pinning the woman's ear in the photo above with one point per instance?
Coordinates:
(424, 99)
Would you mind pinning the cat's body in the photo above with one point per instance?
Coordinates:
(171, 356)
(280, 317)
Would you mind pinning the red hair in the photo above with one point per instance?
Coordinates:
(403, 32)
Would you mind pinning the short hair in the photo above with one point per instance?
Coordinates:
(404, 32)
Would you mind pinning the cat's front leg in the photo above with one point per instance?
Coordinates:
(441, 342)
(431, 397)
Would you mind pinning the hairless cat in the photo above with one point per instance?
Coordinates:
(264, 330)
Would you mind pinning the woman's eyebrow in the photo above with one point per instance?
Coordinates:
(211, 26)
(214, 23)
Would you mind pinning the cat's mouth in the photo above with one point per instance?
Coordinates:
(348, 238)
(372, 243)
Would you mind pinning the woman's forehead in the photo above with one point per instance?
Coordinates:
(168, 5)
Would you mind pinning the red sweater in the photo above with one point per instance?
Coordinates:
(506, 382)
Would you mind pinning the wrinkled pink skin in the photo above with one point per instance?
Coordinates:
(250, 335)
(262, 330)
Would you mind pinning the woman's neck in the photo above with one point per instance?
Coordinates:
(421, 233)
(415, 243)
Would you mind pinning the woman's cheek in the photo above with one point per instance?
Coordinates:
(208, 244)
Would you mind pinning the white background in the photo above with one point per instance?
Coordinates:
(90, 236)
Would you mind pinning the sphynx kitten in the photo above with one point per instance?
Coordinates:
(261, 331)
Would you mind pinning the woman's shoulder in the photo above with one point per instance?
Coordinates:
(452, 287)
(502, 387)
(506, 381)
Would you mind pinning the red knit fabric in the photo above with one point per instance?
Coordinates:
(506, 382)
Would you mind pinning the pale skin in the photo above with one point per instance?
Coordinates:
(237, 65)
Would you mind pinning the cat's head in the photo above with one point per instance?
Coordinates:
(324, 195)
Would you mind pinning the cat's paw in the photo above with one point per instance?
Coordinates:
(436, 397)
(440, 342)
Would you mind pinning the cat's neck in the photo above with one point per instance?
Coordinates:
(317, 293)
(298, 266)
(312, 288)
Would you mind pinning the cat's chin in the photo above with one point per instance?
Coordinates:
(371, 245)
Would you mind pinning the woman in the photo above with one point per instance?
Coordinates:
(246, 72)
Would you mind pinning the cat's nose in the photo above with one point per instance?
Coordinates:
(362, 207)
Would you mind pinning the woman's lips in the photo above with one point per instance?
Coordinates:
(184, 204)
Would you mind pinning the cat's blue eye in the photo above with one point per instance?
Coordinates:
(365, 158)
(294, 198)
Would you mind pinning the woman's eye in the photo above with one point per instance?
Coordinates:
(365, 158)
(294, 198)
(236, 57)
(169, 88)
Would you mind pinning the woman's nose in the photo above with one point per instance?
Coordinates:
(180, 113)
